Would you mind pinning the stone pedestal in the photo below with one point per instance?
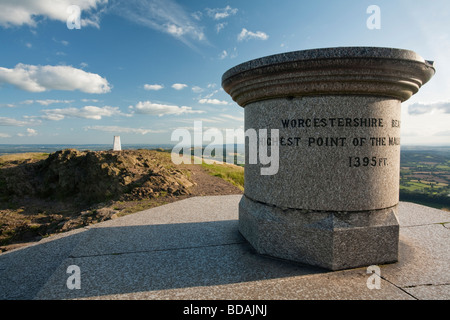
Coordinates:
(333, 201)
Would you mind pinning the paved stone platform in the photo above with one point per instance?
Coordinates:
(192, 249)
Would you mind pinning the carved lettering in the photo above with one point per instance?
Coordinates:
(332, 122)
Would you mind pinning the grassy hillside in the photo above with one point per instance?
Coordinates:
(231, 173)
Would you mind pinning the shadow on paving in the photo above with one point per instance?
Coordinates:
(127, 259)
(25, 271)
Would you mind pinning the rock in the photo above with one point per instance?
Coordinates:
(93, 177)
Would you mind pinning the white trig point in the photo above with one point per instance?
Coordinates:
(117, 146)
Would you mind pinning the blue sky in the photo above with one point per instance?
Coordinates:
(141, 69)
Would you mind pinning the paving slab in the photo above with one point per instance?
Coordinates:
(424, 257)
(341, 285)
(429, 292)
(24, 271)
(192, 249)
(411, 214)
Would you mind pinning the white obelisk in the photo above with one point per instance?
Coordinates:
(117, 146)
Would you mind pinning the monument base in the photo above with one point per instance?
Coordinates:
(331, 240)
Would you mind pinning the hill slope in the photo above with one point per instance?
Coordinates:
(45, 194)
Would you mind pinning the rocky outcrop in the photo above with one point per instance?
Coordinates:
(92, 177)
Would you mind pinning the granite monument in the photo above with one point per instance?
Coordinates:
(333, 202)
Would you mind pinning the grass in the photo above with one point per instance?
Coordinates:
(230, 173)
(139, 205)
(19, 157)
(414, 186)
(23, 156)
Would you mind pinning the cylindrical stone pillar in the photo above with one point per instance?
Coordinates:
(333, 201)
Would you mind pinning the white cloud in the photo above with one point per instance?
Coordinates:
(30, 132)
(197, 15)
(208, 96)
(175, 30)
(162, 15)
(63, 42)
(148, 107)
(117, 129)
(179, 86)
(442, 133)
(223, 55)
(246, 35)
(211, 119)
(154, 87)
(87, 112)
(220, 26)
(43, 78)
(231, 117)
(47, 102)
(4, 135)
(28, 12)
(7, 105)
(4, 121)
(213, 101)
(422, 108)
(221, 13)
(197, 89)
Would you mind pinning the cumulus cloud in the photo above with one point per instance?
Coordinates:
(28, 12)
(221, 13)
(4, 135)
(197, 89)
(246, 35)
(213, 101)
(148, 107)
(87, 112)
(5, 121)
(153, 87)
(118, 129)
(29, 133)
(422, 108)
(175, 30)
(179, 86)
(43, 78)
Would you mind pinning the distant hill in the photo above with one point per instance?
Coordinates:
(425, 176)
